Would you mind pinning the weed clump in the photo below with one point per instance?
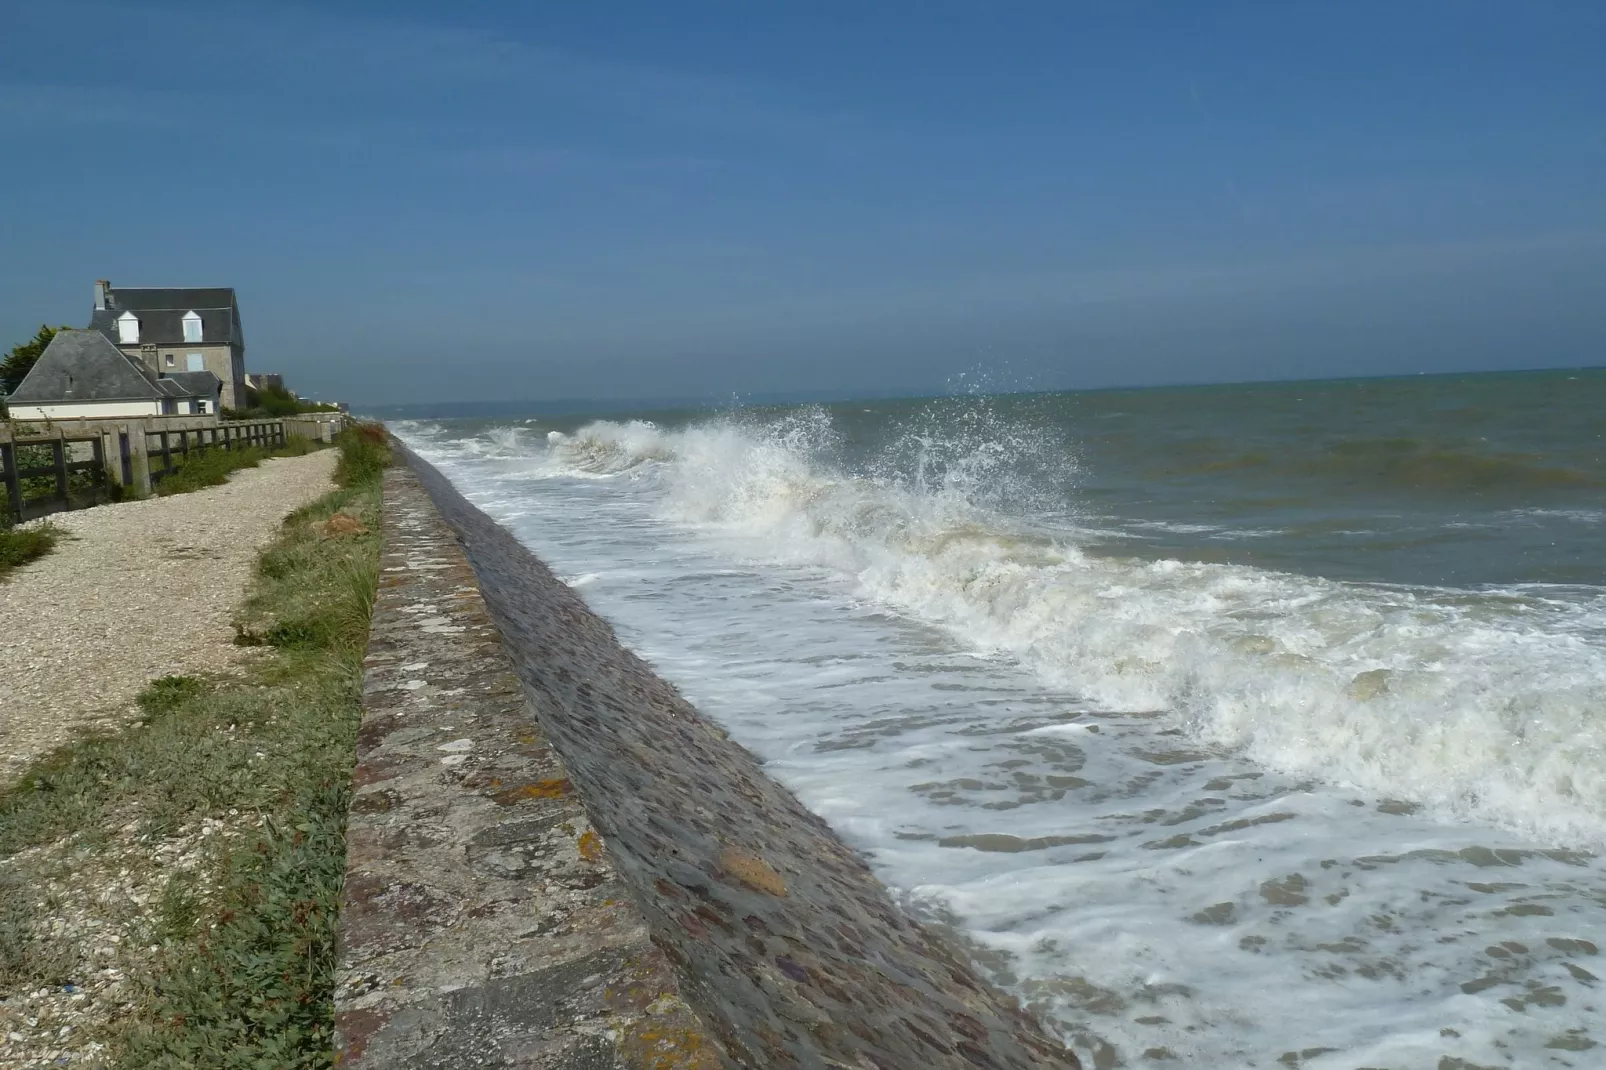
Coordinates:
(18, 546)
(364, 454)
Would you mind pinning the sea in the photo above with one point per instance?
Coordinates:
(1226, 726)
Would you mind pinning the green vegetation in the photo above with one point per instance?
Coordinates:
(272, 402)
(43, 486)
(18, 546)
(230, 961)
(212, 467)
(16, 364)
(364, 453)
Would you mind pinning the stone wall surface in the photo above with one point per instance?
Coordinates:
(788, 948)
(482, 924)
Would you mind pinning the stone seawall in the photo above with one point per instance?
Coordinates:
(778, 936)
(482, 923)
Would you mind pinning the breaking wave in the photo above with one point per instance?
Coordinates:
(1483, 704)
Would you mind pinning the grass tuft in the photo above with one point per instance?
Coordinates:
(364, 454)
(209, 468)
(18, 546)
(212, 467)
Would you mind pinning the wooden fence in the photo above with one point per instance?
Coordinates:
(73, 481)
(61, 493)
(267, 434)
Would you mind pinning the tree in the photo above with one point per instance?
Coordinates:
(275, 401)
(22, 358)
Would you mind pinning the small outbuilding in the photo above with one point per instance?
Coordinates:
(82, 375)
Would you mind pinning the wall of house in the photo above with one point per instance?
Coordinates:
(223, 361)
(236, 374)
(85, 410)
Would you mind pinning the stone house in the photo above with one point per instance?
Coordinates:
(81, 375)
(174, 331)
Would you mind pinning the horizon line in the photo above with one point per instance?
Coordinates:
(782, 397)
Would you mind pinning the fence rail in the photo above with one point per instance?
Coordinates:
(267, 434)
(61, 493)
(80, 467)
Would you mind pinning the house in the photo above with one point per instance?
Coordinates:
(264, 381)
(81, 375)
(205, 387)
(176, 330)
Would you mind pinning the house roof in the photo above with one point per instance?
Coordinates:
(85, 366)
(161, 313)
(195, 384)
(182, 298)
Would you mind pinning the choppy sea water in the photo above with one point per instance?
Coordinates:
(1243, 726)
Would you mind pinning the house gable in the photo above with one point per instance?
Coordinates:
(85, 366)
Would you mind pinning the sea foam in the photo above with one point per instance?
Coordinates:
(1480, 704)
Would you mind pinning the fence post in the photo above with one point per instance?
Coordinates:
(139, 441)
(126, 455)
(167, 454)
(59, 448)
(103, 478)
(184, 445)
(8, 458)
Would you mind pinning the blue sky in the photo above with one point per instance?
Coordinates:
(482, 200)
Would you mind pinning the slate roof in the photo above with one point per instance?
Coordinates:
(195, 384)
(85, 366)
(161, 314)
(122, 299)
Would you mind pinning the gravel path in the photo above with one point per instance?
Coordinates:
(137, 591)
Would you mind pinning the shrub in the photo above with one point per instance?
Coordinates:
(364, 454)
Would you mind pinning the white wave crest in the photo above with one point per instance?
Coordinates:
(1480, 704)
(606, 448)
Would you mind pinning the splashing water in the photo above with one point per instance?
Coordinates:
(1185, 808)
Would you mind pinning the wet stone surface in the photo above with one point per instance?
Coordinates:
(788, 948)
(482, 923)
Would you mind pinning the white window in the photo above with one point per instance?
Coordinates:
(128, 329)
(194, 362)
(169, 360)
(200, 406)
(192, 327)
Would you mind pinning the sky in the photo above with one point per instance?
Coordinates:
(497, 200)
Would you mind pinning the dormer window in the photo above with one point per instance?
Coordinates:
(192, 327)
(169, 359)
(128, 329)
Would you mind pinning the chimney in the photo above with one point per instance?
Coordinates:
(101, 296)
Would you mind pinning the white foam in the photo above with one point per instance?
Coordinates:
(1482, 706)
(1078, 765)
